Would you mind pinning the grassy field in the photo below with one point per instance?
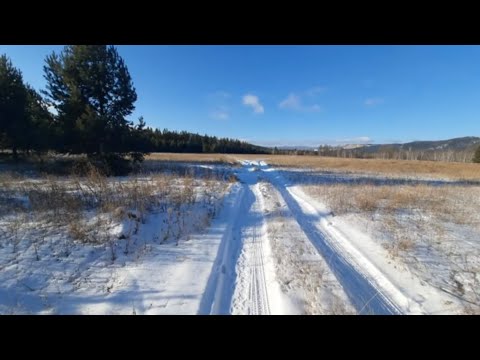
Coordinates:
(433, 169)
(201, 158)
(395, 168)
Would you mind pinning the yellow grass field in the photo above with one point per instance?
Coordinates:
(181, 157)
(435, 169)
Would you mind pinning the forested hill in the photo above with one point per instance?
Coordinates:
(456, 144)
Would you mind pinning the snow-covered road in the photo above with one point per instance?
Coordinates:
(244, 275)
(249, 282)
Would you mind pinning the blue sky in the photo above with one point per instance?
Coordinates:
(299, 95)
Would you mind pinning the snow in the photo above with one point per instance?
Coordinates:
(373, 283)
(146, 275)
(260, 246)
(304, 275)
(387, 289)
(244, 281)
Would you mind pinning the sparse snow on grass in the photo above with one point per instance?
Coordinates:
(108, 246)
(303, 274)
(429, 229)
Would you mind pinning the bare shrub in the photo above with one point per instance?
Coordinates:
(13, 229)
(78, 231)
(366, 202)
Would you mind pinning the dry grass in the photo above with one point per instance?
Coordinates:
(434, 169)
(202, 158)
(294, 265)
(401, 211)
(66, 202)
(447, 203)
(425, 227)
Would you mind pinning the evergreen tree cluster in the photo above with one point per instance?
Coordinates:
(84, 110)
(155, 140)
(25, 122)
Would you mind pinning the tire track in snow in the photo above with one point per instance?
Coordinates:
(367, 288)
(258, 286)
(252, 291)
(308, 284)
(238, 283)
(220, 287)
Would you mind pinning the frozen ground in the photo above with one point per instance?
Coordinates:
(265, 245)
(152, 263)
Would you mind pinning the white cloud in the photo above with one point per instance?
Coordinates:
(294, 102)
(364, 139)
(287, 142)
(254, 102)
(355, 140)
(373, 102)
(313, 142)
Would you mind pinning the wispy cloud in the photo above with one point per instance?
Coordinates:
(287, 142)
(316, 90)
(218, 103)
(313, 142)
(354, 140)
(219, 94)
(294, 102)
(373, 102)
(220, 113)
(254, 102)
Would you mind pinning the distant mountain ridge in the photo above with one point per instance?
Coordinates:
(455, 144)
(461, 143)
(457, 149)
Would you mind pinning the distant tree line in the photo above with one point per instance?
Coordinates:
(391, 153)
(294, 151)
(84, 110)
(155, 140)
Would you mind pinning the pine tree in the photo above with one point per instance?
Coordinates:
(13, 100)
(41, 134)
(92, 91)
(476, 157)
